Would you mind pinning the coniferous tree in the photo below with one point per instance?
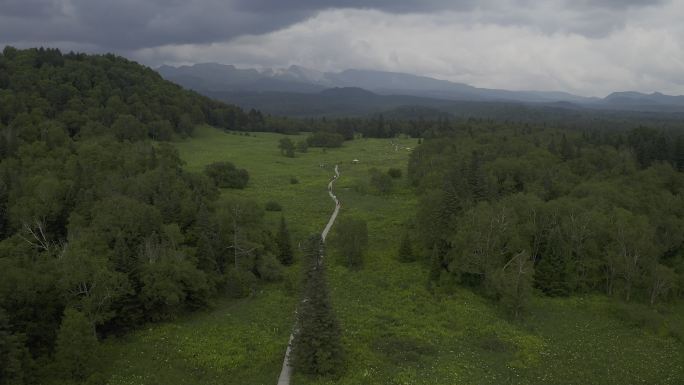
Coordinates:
(550, 276)
(285, 255)
(477, 179)
(76, 343)
(317, 347)
(566, 151)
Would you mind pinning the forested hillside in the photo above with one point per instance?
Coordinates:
(100, 228)
(510, 209)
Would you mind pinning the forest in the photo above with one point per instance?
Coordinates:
(514, 210)
(102, 230)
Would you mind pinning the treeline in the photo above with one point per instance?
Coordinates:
(101, 230)
(508, 210)
(650, 140)
(44, 92)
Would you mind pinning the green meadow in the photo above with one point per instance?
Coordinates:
(395, 331)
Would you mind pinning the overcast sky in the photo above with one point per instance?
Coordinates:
(588, 47)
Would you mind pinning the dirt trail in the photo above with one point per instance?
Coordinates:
(286, 371)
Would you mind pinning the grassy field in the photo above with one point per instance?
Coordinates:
(395, 330)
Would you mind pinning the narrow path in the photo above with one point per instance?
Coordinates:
(286, 371)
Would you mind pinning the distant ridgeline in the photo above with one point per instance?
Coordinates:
(100, 227)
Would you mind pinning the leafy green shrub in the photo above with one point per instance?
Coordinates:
(381, 182)
(405, 252)
(273, 206)
(394, 173)
(226, 175)
(239, 284)
(349, 239)
(493, 343)
(269, 268)
(639, 315)
(325, 139)
(292, 282)
(294, 180)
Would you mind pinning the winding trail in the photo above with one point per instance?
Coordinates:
(286, 371)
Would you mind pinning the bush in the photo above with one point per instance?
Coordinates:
(325, 139)
(294, 180)
(269, 268)
(394, 173)
(239, 284)
(226, 175)
(273, 206)
(380, 182)
(639, 315)
(349, 240)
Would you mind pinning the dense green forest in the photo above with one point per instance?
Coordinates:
(507, 210)
(101, 229)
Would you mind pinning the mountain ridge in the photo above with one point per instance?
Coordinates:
(213, 78)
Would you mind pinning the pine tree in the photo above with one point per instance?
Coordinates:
(405, 253)
(76, 343)
(477, 179)
(285, 255)
(551, 269)
(566, 151)
(316, 348)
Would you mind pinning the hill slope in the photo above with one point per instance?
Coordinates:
(100, 228)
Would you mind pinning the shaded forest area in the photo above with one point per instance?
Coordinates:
(510, 209)
(101, 230)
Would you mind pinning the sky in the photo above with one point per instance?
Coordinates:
(587, 47)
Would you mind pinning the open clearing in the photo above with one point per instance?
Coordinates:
(394, 330)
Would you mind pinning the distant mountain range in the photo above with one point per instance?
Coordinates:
(301, 91)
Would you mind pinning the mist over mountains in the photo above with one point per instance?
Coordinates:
(301, 91)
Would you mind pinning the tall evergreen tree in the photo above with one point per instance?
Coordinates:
(477, 179)
(285, 255)
(317, 347)
(566, 151)
(550, 276)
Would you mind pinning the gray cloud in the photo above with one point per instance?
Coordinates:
(134, 24)
(585, 46)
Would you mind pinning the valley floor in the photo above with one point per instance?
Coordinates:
(394, 330)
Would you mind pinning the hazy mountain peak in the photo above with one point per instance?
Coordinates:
(227, 78)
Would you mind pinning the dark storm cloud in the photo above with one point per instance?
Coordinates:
(382, 5)
(127, 25)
